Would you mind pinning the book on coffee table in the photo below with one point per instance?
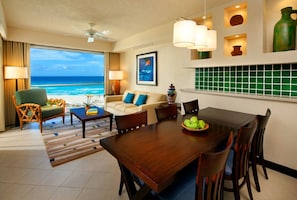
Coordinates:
(92, 111)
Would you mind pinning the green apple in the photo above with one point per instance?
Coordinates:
(201, 123)
(187, 122)
(194, 119)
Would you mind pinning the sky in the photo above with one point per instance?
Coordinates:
(55, 62)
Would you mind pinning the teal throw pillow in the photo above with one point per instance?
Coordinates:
(141, 99)
(129, 98)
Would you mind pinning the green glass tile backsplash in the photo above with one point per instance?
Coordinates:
(270, 80)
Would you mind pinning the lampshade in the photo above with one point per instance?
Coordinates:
(13, 72)
(116, 75)
(184, 33)
(211, 41)
(200, 37)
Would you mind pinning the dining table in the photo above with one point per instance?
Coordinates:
(157, 152)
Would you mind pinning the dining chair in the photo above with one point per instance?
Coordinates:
(125, 124)
(166, 112)
(237, 166)
(191, 107)
(200, 180)
(257, 154)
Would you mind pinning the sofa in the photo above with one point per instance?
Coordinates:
(32, 105)
(132, 101)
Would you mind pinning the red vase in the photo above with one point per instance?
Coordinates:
(236, 51)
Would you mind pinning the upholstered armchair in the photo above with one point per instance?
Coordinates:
(32, 105)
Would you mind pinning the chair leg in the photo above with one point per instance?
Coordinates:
(248, 184)
(236, 189)
(255, 174)
(40, 126)
(261, 157)
(121, 185)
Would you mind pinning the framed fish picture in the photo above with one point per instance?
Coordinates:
(146, 72)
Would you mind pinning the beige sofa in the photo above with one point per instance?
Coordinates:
(116, 105)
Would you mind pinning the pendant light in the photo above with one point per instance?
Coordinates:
(187, 34)
(184, 33)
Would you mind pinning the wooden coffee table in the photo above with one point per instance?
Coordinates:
(80, 113)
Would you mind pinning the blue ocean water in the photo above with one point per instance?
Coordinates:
(66, 85)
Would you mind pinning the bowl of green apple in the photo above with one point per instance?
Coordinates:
(195, 124)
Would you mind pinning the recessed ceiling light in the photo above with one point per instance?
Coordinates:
(237, 6)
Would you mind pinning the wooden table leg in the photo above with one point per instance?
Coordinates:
(83, 128)
(110, 122)
(130, 185)
(71, 116)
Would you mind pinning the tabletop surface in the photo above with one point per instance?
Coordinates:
(81, 113)
(155, 153)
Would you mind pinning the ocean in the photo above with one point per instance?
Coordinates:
(66, 85)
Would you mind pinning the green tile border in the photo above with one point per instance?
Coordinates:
(277, 80)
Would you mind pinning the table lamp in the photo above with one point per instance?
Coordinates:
(13, 72)
(116, 76)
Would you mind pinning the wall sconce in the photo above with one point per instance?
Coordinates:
(116, 76)
(13, 72)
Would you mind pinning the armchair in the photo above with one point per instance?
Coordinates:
(32, 105)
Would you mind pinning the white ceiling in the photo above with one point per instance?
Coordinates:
(123, 18)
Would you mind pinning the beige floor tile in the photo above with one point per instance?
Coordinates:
(64, 193)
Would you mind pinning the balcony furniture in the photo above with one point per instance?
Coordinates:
(165, 112)
(125, 124)
(33, 105)
(237, 166)
(191, 107)
(257, 155)
(203, 181)
(157, 152)
(81, 114)
(119, 104)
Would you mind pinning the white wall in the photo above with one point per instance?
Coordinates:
(280, 138)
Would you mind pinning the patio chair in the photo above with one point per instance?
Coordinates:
(32, 105)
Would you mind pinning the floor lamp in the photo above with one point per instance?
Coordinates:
(13, 72)
(116, 76)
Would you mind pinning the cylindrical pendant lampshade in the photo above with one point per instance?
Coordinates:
(201, 37)
(211, 41)
(184, 33)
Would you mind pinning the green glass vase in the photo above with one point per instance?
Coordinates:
(284, 35)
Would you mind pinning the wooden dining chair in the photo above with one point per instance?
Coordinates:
(203, 181)
(191, 107)
(125, 124)
(237, 166)
(257, 154)
(166, 112)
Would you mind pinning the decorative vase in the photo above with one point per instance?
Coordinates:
(236, 51)
(236, 20)
(87, 107)
(284, 33)
(171, 94)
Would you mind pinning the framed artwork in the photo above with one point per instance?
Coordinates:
(146, 72)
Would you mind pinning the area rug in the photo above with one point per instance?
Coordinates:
(64, 142)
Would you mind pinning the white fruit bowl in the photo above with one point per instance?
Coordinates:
(194, 129)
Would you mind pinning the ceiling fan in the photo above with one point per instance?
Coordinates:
(91, 33)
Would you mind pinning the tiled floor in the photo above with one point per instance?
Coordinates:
(26, 174)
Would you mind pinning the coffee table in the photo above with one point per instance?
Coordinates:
(80, 113)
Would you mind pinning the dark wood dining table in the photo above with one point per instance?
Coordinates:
(157, 152)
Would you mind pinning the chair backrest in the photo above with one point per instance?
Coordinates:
(166, 112)
(130, 122)
(37, 96)
(257, 144)
(241, 149)
(191, 106)
(210, 171)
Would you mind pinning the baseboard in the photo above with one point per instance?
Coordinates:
(280, 168)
